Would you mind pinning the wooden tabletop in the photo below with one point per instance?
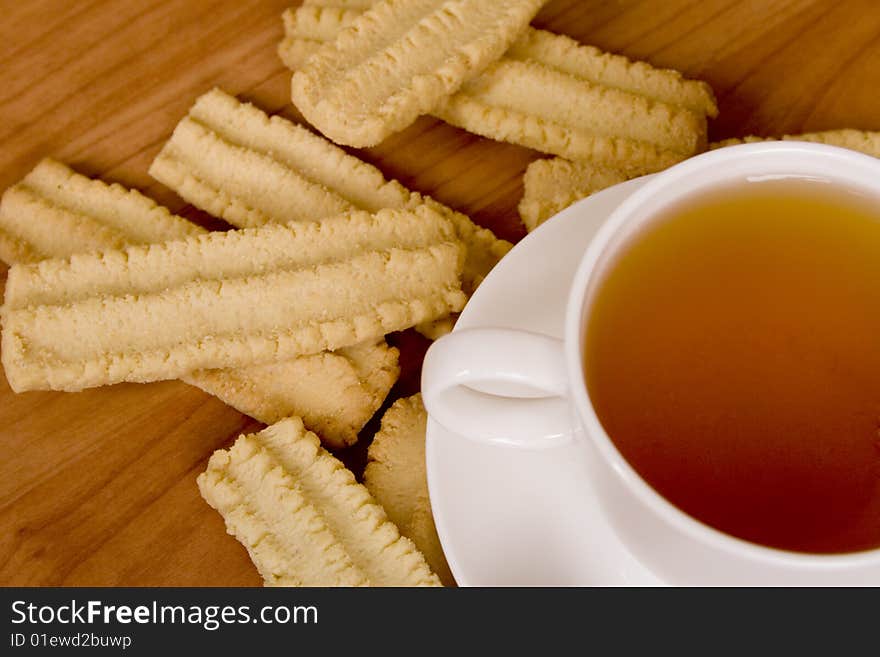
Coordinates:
(98, 487)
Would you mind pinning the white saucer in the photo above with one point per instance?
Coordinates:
(509, 517)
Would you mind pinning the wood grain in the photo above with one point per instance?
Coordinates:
(99, 487)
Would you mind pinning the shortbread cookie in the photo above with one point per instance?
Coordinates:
(336, 392)
(302, 34)
(398, 60)
(551, 185)
(564, 54)
(864, 141)
(303, 518)
(309, 26)
(232, 160)
(555, 112)
(15, 249)
(54, 211)
(554, 184)
(319, 21)
(396, 477)
(230, 299)
(313, 23)
(555, 95)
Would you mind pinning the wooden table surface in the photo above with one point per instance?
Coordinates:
(98, 487)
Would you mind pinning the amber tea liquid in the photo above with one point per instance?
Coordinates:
(733, 356)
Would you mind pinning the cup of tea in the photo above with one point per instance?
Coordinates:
(720, 368)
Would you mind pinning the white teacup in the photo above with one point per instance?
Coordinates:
(523, 390)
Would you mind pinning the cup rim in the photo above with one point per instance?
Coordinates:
(631, 479)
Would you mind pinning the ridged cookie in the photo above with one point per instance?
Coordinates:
(335, 392)
(863, 141)
(396, 477)
(398, 60)
(55, 211)
(552, 94)
(318, 23)
(314, 23)
(232, 160)
(551, 185)
(532, 105)
(303, 518)
(230, 299)
(564, 54)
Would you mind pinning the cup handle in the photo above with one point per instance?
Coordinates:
(488, 357)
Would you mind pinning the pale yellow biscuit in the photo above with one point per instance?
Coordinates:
(396, 477)
(56, 211)
(251, 148)
(503, 124)
(53, 212)
(319, 23)
(303, 37)
(555, 95)
(554, 184)
(551, 185)
(566, 55)
(293, 51)
(232, 160)
(307, 27)
(230, 299)
(864, 141)
(15, 249)
(375, 364)
(303, 518)
(532, 105)
(335, 392)
(438, 328)
(398, 60)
